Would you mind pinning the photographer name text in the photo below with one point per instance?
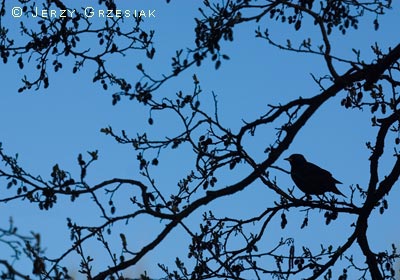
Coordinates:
(88, 12)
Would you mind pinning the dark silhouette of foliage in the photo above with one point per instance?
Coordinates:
(48, 44)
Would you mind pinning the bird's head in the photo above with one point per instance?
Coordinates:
(296, 159)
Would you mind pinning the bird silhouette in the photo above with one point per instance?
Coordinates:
(310, 178)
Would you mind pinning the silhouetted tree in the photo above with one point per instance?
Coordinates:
(48, 44)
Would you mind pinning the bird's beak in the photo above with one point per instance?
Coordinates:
(288, 159)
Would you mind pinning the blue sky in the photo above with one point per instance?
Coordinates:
(54, 125)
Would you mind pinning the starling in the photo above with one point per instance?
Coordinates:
(310, 178)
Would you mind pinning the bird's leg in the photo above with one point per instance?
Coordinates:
(323, 198)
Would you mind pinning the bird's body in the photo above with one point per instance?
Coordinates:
(310, 178)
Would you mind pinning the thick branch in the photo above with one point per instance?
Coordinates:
(374, 72)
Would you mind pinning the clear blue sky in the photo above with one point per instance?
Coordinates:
(54, 125)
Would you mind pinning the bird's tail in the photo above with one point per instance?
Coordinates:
(336, 191)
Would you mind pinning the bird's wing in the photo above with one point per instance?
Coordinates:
(313, 169)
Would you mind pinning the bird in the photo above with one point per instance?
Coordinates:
(310, 178)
